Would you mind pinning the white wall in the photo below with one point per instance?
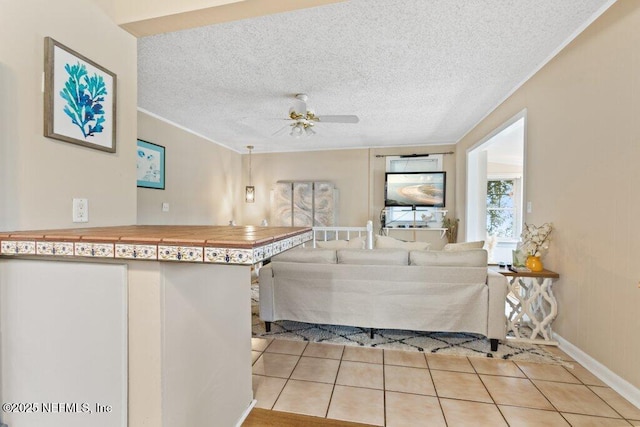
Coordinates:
(40, 176)
(64, 340)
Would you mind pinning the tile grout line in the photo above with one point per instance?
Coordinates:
(488, 392)
(563, 382)
(435, 390)
(601, 398)
(475, 371)
(384, 390)
(335, 380)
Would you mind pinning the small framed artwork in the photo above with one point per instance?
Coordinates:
(79, 99)
(150, 165)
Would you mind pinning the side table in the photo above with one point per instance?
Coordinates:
(530, 305)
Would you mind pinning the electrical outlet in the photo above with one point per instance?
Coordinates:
(165, 207)
(80, 210)
(529, 207)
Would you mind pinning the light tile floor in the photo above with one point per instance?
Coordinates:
(399, 388)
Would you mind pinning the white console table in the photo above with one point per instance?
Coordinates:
(531, 305)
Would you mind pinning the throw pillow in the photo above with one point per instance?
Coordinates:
(331, 244)
(454, 247)
(357, 243)
(373, 257)
(317, 255)
(386, 242)
(468, 258)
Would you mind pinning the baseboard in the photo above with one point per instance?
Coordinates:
(246, 412)
(613, 380)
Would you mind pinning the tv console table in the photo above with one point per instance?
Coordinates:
(531, 305)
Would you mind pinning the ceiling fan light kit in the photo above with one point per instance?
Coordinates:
(304, 118)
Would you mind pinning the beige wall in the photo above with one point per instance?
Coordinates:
(358, 175)
(39, 176)
(583, 151)
(347, 169)
(202, 183)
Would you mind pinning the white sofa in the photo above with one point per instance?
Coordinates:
(417, 290)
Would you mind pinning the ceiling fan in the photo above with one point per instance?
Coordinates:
(305, 119)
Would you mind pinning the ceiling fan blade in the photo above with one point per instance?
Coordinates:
(338, 119)
(280, 131)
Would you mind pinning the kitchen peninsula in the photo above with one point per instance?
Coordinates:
(172, 308)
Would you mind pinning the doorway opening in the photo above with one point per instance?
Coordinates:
(495, 188)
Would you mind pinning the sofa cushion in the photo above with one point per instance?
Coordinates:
(465, 246)
(314, 255)
(373, 257)
(386, 242)
(357, 243)
(468, 258)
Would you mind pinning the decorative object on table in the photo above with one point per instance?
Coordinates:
(150, 165)
(79, 99)
(426, 217)
(452, 229)
(519, 258)
(535, 241)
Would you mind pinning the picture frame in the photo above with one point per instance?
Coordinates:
(150, 165)
(79, 99)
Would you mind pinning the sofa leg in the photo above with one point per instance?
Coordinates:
(267, 326)
(494, 344)
(371, 332)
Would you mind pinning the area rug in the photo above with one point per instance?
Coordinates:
(458, 344)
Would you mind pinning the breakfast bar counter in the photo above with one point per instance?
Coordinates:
(161, 321)
(244, 245)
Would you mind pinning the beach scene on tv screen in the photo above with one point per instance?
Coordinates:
(415, 189)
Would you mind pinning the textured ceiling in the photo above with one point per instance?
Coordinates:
(416, 72)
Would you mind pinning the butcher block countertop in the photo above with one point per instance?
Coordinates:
(243, 245)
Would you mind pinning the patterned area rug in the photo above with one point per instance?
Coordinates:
(458, 344)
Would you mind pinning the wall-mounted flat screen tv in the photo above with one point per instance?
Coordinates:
(415, 189)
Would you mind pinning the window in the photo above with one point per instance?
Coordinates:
(503, 208)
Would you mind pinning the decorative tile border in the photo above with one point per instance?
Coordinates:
(18, 247)
(94, 250)
(229, 256)
(180, 253)
(55, 248)
(240, 256)
(268, 251)
(258, 253)
(148, 252)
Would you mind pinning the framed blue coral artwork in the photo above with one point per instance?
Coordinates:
(79, 99)
(150, 165)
